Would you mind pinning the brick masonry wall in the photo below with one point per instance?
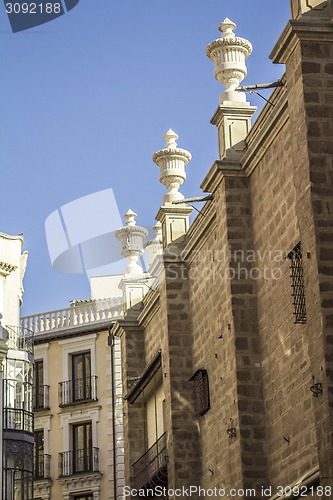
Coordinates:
(291, 442)
(260, 363)
(225, 330)
(310, 77)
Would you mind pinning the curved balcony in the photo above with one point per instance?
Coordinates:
(20, 338)
(16, 420)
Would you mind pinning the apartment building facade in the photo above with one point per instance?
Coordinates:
(227, 342)
(16, 372)
(78, 448)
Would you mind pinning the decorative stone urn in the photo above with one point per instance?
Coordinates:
(172, 161)
(229, 53)
(131, 239)
(154, 247)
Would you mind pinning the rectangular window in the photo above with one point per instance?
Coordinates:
(297, 284)
(81, 376)
(38, 387)
(82, 448)
(201, 391)
(39, 455)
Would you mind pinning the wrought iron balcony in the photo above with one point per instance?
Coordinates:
(40, 397)
(18, 420)
(152, 465)
(78, 462)
(80, 390)
(20, 338)
(42, 466)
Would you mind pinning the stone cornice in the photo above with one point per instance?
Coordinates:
(81, 330)
(309, 28)
(266, 128)
(218, 170)
(243, 109)
(120, 326)
(200, 230)
(151, 304)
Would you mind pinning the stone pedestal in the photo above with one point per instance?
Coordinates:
(175, 222)
(233, 122)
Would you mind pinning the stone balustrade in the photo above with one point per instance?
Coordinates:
(76, 316)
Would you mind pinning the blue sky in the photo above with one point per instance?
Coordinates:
(87, 98)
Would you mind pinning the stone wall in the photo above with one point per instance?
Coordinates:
(226, 302)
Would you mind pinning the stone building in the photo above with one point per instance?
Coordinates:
(16, 367)
(227, 342)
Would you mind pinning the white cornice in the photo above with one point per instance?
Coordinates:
(10, 237)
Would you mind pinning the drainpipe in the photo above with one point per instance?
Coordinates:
(113, 398)
(3, 352)
(3, 355)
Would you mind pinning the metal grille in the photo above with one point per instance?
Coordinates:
(297, 284)
(201, 391)
(41, 465)
(40, 397)
(78, 390)
(78, 462)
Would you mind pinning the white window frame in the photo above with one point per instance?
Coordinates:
(77, 345)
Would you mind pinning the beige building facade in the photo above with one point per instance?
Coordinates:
(77, 402)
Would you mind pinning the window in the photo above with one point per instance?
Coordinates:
(40, 391)
(42, 459)
(201, 391)
(297, 284)
(79, 433)
(82, 448)
(78, 370)
(39, 455)
(81, 370)
(83, 497)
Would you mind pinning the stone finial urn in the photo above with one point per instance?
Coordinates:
(172, 161)
(229, 53)
(131, 239)
(154, 247)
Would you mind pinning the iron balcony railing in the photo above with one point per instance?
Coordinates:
(18, 420)
(42, 466)
(148, 466)
(78, 462)
(79, 390)
(40, 397)
(20, 338)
